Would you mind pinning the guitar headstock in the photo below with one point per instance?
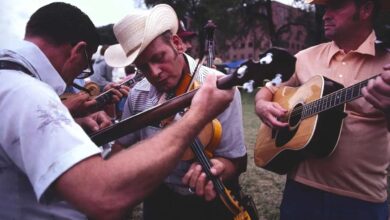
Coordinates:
(272, 62)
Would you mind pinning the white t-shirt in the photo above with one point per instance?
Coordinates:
(39, 140)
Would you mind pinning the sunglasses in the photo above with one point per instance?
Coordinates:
(87, 72)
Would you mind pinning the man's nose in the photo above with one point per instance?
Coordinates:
(154, 70)
(327, 15)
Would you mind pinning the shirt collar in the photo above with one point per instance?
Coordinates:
(30, 56)
(366, 48)
(191, 63)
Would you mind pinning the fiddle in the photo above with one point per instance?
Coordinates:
(211, 134)
(202, 147)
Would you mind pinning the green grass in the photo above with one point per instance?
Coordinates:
(265, 187)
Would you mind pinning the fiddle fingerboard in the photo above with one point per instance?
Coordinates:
(197, 148)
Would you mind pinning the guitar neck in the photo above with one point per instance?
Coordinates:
(334, 99)
(220, 188)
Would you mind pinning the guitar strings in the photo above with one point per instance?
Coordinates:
(336, 96)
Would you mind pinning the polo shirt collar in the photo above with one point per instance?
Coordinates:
(366, 48)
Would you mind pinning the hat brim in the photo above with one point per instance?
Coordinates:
(385, 4)
(160, 19)
(116, 57)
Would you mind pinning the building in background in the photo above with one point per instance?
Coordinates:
(293, 30)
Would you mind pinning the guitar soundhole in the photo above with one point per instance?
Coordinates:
(295, 116)
(284, 135)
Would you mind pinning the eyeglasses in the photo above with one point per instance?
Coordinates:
(87, 72)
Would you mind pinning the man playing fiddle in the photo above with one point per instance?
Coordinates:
(49, 167)
(148, 39)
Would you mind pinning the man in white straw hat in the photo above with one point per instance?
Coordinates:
(149, 40)
(49, 167)
(351, 182)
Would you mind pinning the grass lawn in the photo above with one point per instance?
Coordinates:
(265, 187)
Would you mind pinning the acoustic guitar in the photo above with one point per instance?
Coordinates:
(315, 117)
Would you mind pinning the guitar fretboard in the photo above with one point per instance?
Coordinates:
(332, 100)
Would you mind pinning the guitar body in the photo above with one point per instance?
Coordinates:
(316, 136)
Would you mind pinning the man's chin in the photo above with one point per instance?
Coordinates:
(329, 35)
(164, 88)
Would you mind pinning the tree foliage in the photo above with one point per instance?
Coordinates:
(234, 18)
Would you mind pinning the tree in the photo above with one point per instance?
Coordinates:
(228, 15)
(235, 20)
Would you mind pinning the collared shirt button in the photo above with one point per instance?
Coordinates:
(341, 75)
(344, 63)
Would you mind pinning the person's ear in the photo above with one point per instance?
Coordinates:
(178, 44)
(367, 10)
(78, 50)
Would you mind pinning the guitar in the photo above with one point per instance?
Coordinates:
(315, 118)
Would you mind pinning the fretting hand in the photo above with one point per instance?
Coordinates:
(197, 180)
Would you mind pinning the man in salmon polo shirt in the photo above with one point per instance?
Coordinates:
(351, 182)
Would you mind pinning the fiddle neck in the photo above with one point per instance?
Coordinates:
(183, 84)
(185, 80)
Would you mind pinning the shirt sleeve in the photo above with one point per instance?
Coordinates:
(232, 144)
(44, 140)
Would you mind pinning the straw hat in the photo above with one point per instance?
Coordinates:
(135, 32)
(385, 4)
